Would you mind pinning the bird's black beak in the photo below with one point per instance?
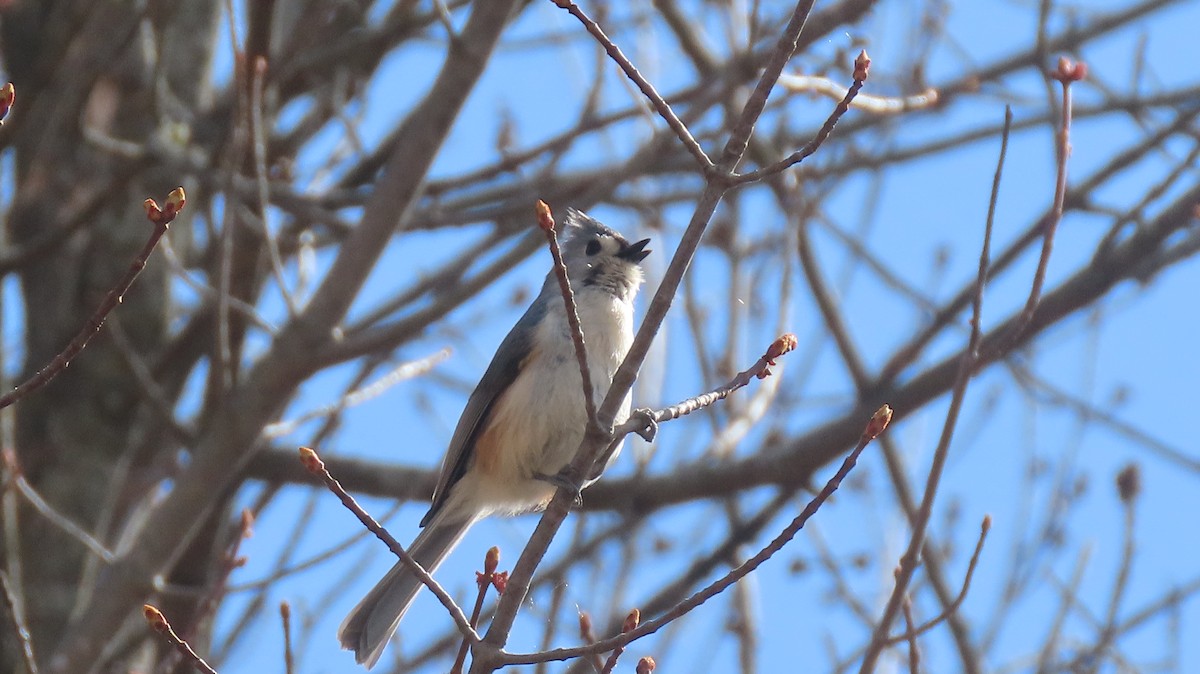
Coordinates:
(635, 252)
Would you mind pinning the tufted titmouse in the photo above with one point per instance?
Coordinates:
(525, 419)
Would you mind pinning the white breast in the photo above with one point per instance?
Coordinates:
(543, 411)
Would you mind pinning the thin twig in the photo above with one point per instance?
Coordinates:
(546, 222)
(17, 478)
(962, 594)
(206, 605)
(856, 366)
(1066, 74)
(221, 373)
(874, 427)
(862, 65)
(968, 652)
(281, 571)
(1086, 411)
(759, 370)
(1128, 488)
(429, 284)
(912, 350)
(558, 592)
(258, 144)
(18, 624)
(483, 580)
(966, 366)
(208, 292)
(845, 597)
(289, 660)
(914, 654)
(879, 105)
(1170, 599)
(630, 624)
(703, 566)
(147, 387)
(316, 466)
(229, 562)
(588, 635)
(159, 623)
(161, 219)
(744, 625)
(785, 48)
(828, 306)
(71, 217)
(402, 372)
(660, 104)
(1070, 595)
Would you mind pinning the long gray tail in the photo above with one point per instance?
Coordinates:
(369, 625)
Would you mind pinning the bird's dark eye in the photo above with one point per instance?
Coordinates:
(593, 247)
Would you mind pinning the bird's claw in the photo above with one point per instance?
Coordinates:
(649, 430)
(564, 481)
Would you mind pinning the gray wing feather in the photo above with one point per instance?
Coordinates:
(500, 374)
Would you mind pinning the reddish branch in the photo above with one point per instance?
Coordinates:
(862, 66)
(546, 222)
(660, 104)
(313, 464)
(229, 562)
(1066, 74)
(760, 370)
(483, 580)
(588, 634)
(876, 425)
(232, 561)
(159, 623)
(289, 660)
(161, 217)
(630, 624)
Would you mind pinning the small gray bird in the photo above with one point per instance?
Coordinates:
(525, 419)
